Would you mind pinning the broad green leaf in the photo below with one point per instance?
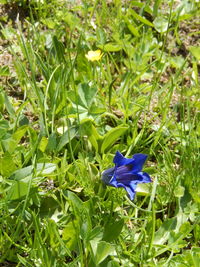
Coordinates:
(140, 18)
(142, 6)
(101, 36)
(96, 233)
(84, 97)
(20, 133)
(9, 144)
(133, 30)
(113, 263)
(161, 24)
(24, 261)
(70, 18)
(40, 169)
(143, 189)
(43, 143)
(18, 189)
(4, 71)
(49, 207)
(41, 64)
(50, 23)
(4, 126)
(113, 230)
(59, 49)
(7, 165)
(67, 137)
(112, 136)
(131, 27)
(76, 201)
(96, 110)
(87, 94)
(162, 235)
(101, 250)
(89, 129)
(9, 106)
(52, 142)
(179, 191)
(195, 50)
(111, 47)
(94, 142)
(70, 234)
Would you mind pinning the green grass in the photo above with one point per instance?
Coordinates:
(64, 117)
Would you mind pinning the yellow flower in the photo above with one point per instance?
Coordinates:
(94, 55)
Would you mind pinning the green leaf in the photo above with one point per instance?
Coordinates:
(163, 233)
(113, 263)
(20, 133)
(4, 71)
(140, 18)
(101, 36)
(95, 233)
(50, 23)
(18, 189)
(143, 189)
(9, 144)
(111, 137)
(9, 106)
(41, 64)
(111, 47)
(52, 143)
(7, 165)
(113, 230)
(195, 50)
(110, 91)
(179, 191)
(84, 98)
(67, 137)
(40, 169)
(70, 18)
(24, 261)
(161, 24)
(59, 49)
(69, 234)
(101, 250)
(87, 94)
(87, 128)
(76, 201)
(143, 6)
(43, 143)
(131, 28)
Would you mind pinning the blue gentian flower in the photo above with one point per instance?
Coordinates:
(127, 173)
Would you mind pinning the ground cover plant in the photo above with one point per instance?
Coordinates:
(81, 80)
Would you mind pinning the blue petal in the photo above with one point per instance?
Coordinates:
(126, 178)
(130, 192)
(127, 173)
(133, 187)
(120, 160)
(113, 181)
(141, 177)
(129, 189)
(145, 177)
(139, 160)
(107, 175)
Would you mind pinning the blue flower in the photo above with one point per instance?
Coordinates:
(127, 173)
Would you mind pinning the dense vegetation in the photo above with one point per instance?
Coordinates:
(64, 116)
